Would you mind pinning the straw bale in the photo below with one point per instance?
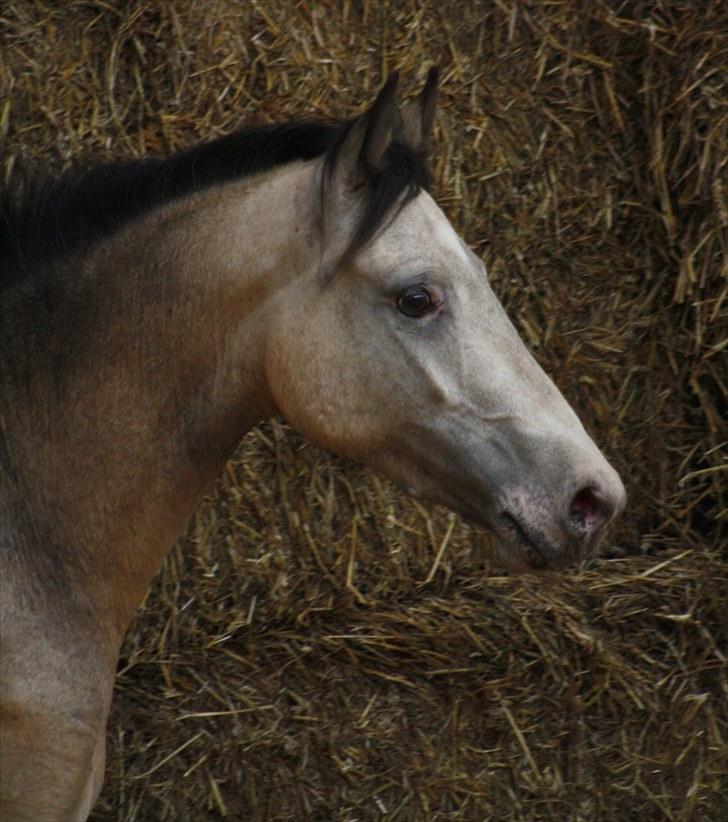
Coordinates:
(319, 646)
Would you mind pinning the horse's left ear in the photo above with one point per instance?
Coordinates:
(381, 120)
(361, 155)
(418, 116)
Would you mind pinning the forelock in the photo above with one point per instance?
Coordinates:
(404, 173)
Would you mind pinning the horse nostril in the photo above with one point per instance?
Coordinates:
(590, 510)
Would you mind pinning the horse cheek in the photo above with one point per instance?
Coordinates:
(318, 394)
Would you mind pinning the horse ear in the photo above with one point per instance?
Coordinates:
(362, 153)
(418, 116)
(428, 101)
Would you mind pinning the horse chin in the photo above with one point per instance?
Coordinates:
(522, 553)
(519, 548)
(515, 557)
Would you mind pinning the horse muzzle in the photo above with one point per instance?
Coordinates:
(551, 531)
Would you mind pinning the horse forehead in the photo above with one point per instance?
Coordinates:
(423, 226)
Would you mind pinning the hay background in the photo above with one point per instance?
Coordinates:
(302, 654)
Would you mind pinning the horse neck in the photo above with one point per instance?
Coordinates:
(155, 404)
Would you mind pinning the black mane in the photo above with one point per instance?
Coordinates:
(44, 220)
(54, 217)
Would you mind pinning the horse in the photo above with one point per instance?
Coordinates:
(155, 310)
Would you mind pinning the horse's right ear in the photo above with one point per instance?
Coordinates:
(361, 155)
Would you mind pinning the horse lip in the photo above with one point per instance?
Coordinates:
(536, 554)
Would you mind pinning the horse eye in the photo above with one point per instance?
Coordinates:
(415, 301)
